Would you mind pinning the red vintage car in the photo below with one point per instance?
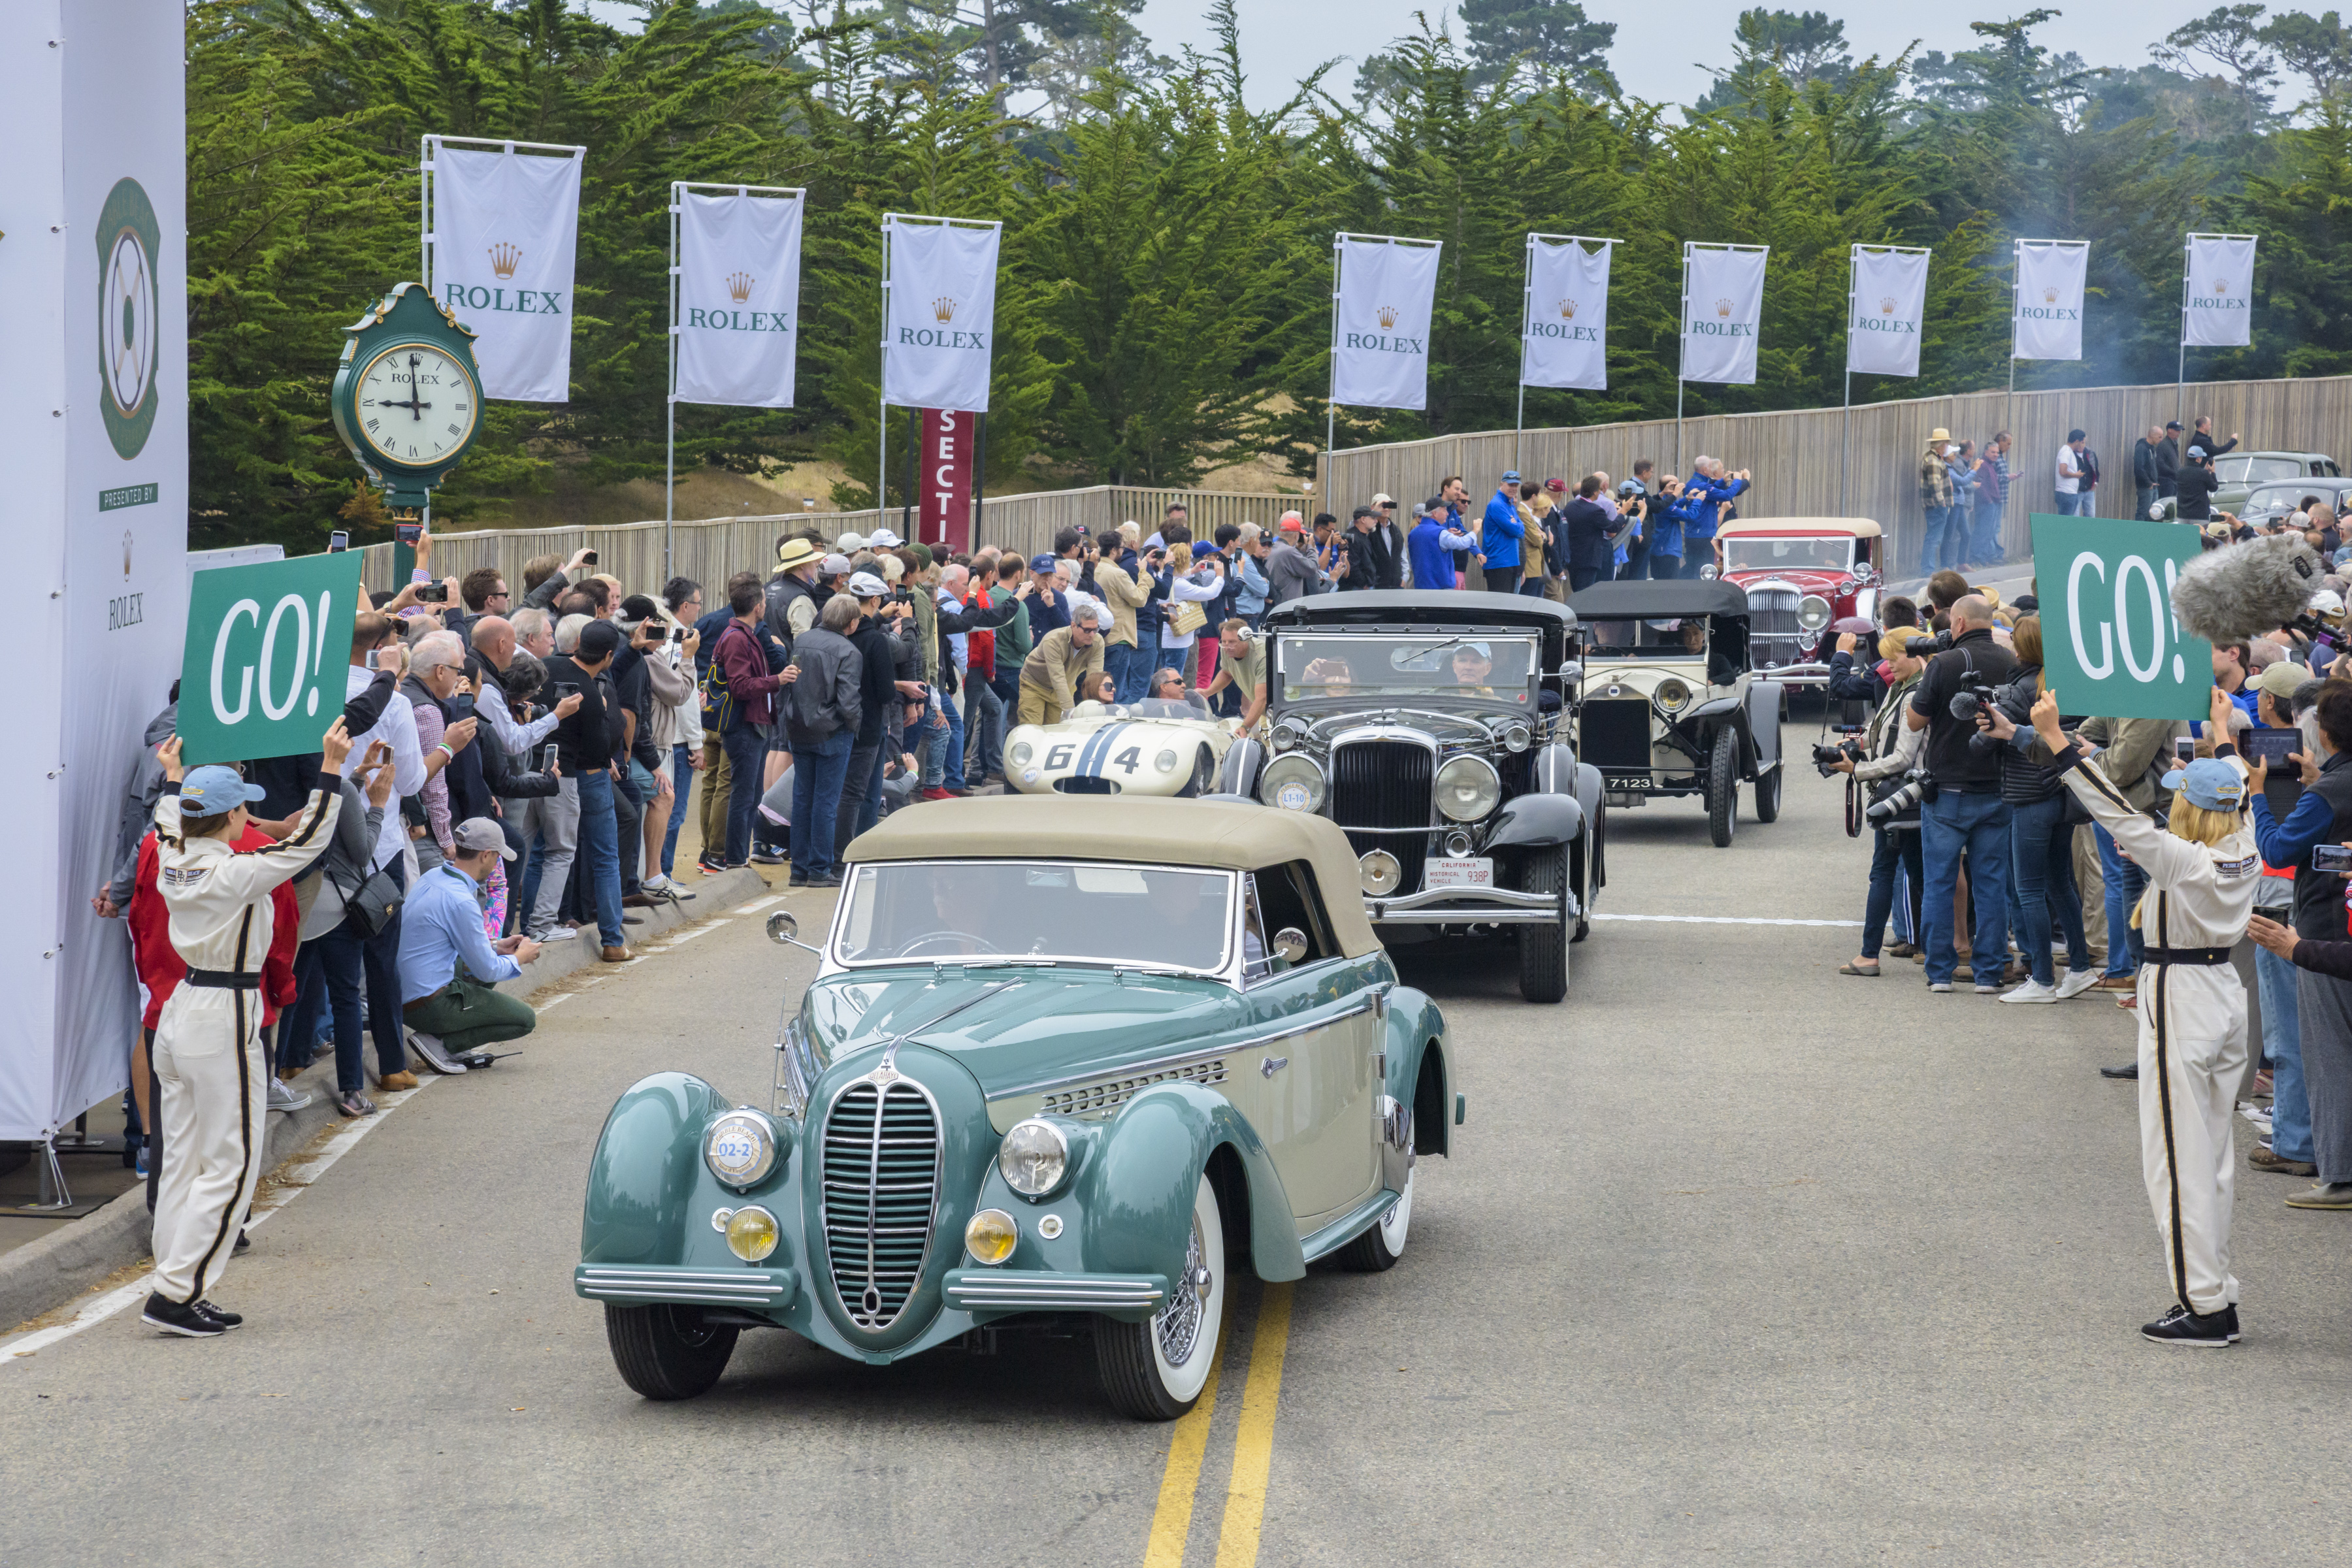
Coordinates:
(1803, 576)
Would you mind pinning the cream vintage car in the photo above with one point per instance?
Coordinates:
(1158, 746)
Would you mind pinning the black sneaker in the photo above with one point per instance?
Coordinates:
(2206, 1330)
(243, 1241)
(2129, 1070)
(226, 1320)
(174, 1319)
(797, 879)
(766, 857)
(829, 879)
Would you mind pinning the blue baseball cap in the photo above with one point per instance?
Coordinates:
(2210, 782)
(1512, 475)
(1202, 550)
(211, 790)
(1041, 565)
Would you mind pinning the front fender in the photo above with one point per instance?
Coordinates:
(1238, 773)
(1416, 1033)
(1532, 820)
(1764, 700)
(647, 1164)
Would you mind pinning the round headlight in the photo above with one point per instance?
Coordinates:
(1293, 782)
(1673, 695)
(740, 1149)
(1813, 612)
(1516, 737)
(1019, 754)
(1468, 789)
(1034, 1158)
(1379, 873)
(991, 1236)
(1165, 762)
(1709, 572)
(751, 1234)
(1288, 735)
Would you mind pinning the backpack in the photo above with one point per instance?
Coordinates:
(718, 699)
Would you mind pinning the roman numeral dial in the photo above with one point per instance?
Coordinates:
(416, 405)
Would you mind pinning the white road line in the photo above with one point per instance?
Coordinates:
(1720, 920)
(96, 1312)
(549, 1007)
(687, 936)
(756, 905)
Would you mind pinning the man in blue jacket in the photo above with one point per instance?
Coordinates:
(1500, 535)
(1430, 547)
(1708, 487)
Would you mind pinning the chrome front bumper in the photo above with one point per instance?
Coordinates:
(636, 1284)
(1471, 906)
(1045, 1290)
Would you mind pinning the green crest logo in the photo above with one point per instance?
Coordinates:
(130, 316)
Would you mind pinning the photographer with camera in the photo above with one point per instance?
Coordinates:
(1966, 816)
(2040, 840)
(1886, 759)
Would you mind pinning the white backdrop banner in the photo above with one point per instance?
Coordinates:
(1890, 298)
(739, 298)
(506, 226)
(1725, 306)
(939, 317)
(2049, 323)
(1386, 293)
(1565, 339)
(2220, 291)
(94, 434)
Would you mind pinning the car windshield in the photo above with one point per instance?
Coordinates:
(2251, 468)
(1749, 553)
(1082, 912)
(1655, 640)
(1195, 707)
(1426, 664)
(2273, 499)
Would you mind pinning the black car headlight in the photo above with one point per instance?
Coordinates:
(1467, 788)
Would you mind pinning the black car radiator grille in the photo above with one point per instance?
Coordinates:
(1385, 784)
(881, 1187)
(1615, 733)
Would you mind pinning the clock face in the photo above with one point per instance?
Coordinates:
(415, 405)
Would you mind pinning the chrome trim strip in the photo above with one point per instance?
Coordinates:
(1341, 1231)
(1130, 1068)
(1363, 733)
(1460, 914)
(1506, 897)
(657, 1271)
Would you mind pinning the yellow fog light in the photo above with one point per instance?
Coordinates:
(751, 1234)
(991, 1236)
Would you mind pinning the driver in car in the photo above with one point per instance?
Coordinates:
(1472, 663)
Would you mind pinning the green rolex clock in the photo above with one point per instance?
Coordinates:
(408, 396)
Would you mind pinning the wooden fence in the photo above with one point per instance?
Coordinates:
(1797, 458)
(712, 550)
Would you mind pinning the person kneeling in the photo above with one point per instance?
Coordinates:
(449, 968)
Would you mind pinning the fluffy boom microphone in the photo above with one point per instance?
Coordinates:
(2233, 594)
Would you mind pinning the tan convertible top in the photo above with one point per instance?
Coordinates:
(1235, 834)
(1857, 527)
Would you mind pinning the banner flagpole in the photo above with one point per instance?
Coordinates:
(2180, 367)
(1527, 315)
(2009, 408)
(1681, 354)
(882, 384)
(1330, 404)
(1845, 437)
(669, 443)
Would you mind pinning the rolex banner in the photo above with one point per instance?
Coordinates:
(739, 287)
(1723, 304)
(939, 315)
(1564, 340)
(1379, 355)
(2220, 291)
(1890, 296)
(504, 226)
(2049, 321)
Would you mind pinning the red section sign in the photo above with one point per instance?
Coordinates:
(945, 481)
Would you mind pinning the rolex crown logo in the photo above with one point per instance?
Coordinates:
(943, 308)
(1723, 308)
(1568, 310)
(505, 258)
(1388, 316)
(2050, 296)
(739, 285)
(2221, 285)
(1887, 304)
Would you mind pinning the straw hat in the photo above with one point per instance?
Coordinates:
(1938, 434)
(794, 553)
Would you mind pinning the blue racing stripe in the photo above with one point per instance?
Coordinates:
(1090, 759)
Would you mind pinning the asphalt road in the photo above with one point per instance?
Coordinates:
(1737, 1261)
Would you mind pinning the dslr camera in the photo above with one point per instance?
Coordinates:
(1929, 646)
(1905, 797)
(1827, 758)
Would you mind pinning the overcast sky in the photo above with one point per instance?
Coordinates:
(1660, 47)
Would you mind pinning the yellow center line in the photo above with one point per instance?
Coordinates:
(1254, 1444)
(1188, 1441)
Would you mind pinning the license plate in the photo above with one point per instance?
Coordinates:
(1477, 871)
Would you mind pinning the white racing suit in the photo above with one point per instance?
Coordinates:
(2192, 1030)
(212, 1082)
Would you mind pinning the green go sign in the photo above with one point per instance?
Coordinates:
(262, 672)
(2110, 644)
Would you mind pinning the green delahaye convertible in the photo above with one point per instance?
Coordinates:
(1066, 1061)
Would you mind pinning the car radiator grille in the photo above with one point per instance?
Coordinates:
(1385, 784)
(1615, 733)
(1773, 626)
(881, 1188)
(1085, 786)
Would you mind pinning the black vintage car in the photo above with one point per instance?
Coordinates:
(1671, 705)
(1433, 727)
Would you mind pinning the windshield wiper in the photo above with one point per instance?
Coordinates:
(1001, 963)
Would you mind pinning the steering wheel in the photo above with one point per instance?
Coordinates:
(908, 951)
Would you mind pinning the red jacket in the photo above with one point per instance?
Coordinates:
(746, 667)
(980, 650)
(158, 962)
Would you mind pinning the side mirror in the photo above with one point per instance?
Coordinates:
(785, 930)
(1290, 944)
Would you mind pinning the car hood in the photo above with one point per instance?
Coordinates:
(1449, 722)
(1018, 1028)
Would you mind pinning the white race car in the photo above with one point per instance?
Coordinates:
(1154, 747)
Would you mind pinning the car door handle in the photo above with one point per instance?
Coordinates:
(1273, 1065)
